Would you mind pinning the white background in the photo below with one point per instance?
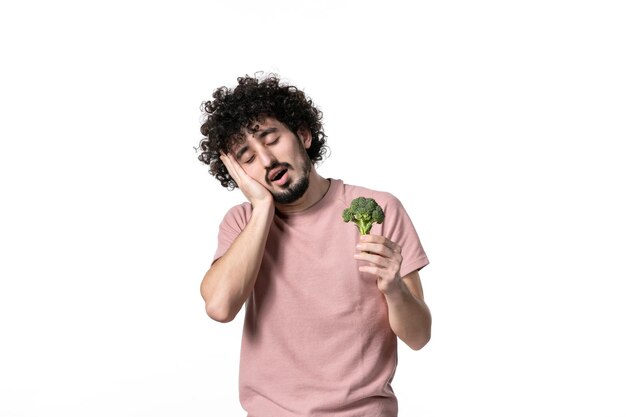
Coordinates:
(497, 123)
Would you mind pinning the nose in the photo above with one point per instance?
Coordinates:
(266, 158)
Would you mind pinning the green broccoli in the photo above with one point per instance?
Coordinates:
(364, 212)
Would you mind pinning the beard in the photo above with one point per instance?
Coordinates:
(294, 190)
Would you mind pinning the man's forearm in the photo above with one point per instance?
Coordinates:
(409, 317)
(227, 284)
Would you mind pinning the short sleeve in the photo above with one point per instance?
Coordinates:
(399, 228)
(231, 226)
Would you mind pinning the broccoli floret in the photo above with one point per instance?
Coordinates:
(364, 212)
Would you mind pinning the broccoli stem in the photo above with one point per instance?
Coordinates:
(364, 226)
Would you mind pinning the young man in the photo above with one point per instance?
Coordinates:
(324, 305)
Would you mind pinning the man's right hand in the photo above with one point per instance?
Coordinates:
(229, 282)
(251, 189)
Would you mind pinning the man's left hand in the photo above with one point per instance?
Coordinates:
(385, 259)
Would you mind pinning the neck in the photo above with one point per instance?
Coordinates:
(318, 187)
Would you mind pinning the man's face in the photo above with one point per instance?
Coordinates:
(276, 158)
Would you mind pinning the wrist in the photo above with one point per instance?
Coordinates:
(395, 290)
(261, 207)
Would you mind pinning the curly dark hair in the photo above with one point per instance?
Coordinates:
(233, 112)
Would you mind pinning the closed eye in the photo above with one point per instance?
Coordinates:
(249, 160)
(273, 141)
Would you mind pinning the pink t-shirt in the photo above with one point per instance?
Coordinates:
(316, 339)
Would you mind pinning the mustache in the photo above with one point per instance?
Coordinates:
(284, 165)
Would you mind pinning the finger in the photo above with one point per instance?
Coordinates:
(369, 238)
(370, 270)
(227, 160)
(373, 259)
(378, 248)
(232, 167)
(377, 271)
(391, 265)
(381, 240)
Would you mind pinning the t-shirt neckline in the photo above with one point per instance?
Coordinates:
(326, 200)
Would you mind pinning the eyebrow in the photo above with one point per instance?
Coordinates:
(261, 135)
(266, 132)
(241, 151)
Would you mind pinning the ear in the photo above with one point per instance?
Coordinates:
(305, 136)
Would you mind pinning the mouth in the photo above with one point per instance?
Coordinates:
(278, 174)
